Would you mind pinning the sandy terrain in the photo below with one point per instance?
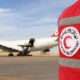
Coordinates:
(34, 54)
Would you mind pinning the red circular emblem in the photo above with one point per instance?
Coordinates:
(69, 41)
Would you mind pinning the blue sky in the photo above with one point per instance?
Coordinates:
(21, 19)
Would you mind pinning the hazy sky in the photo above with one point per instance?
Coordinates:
(22, 19)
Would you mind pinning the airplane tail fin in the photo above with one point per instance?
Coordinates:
(55, 34)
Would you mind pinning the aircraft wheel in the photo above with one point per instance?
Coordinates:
(10, 55)
(20, 54)
(17, 54)
(24, 55)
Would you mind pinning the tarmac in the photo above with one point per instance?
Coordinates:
(29, 68)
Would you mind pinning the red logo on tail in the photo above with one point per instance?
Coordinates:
(55, 34)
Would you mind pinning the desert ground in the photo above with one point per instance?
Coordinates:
(43, 67)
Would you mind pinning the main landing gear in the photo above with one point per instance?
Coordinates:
(24, 54)
(11, 54)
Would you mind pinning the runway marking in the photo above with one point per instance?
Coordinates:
(10, 78)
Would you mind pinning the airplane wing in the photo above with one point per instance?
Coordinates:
(5, 48)
(9, 46)
(15, 46)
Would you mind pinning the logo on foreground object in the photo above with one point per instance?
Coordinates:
(69, 41)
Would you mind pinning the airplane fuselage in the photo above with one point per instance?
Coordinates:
(39, 44)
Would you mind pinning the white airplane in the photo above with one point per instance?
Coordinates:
(24, 47)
